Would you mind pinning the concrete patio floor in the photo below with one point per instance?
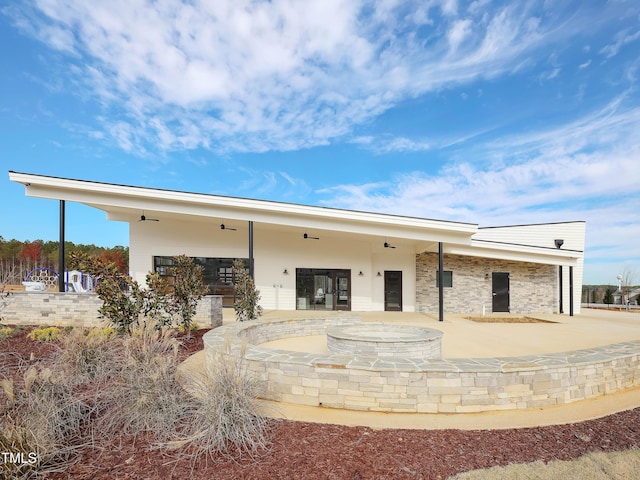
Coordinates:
(466, 338)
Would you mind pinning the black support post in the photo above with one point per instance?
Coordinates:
(61, 265)
(440, 283)
(561, 288)
(571, 291)
(251, 271)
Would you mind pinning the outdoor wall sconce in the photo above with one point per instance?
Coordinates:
(379, 275)
(285, 272)
(360, 274)
(486, 276)
(559, 242)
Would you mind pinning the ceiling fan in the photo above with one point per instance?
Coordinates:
(307, 236)
(143, 218)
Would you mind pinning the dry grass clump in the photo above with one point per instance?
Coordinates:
(115, 384)
(225, 417)
(593, 466)
(88, 355)
(42, 424)
(146, 392)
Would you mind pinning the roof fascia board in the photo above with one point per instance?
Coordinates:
(109, 195)
(518, 253)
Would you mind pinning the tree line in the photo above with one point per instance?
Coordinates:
(18, 258)
(605, 294)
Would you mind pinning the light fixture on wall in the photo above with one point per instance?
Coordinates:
(486, 276)
(379, 274)
(559, 242)
(224, 227)
(285, 272)
(360, 274)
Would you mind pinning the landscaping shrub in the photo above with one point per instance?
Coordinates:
(247, 295)
(158, 302)
(192, 328)
(113, 384)
(42, 421)
(122, 297)
(6, 332)
(226, 416)
(88, 354)
(146, 393)
(45, 334)
(188, 288)
(124, 301)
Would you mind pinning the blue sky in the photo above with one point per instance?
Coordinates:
(485, 112)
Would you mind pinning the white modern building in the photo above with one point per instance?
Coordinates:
(306, 257)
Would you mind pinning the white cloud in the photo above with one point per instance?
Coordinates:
(584, 65)
(585, 170)
(256, 76)
(459, 31)
(268, 184)
(400, 144)
(622, 38)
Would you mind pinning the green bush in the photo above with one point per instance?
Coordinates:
(122, 298)
(125, 302)
(247, 295)
(188, 288)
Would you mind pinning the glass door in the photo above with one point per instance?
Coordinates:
(342, 280)
(392, 291)
(323, 289)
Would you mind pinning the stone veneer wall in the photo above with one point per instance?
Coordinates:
(81, 309)
(532, 286)
(460, 385)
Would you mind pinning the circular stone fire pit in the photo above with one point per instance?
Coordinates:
(385, 341)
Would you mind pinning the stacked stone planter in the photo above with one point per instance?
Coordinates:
(455, 385)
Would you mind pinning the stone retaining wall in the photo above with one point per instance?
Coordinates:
(81, 309)
(458, 385)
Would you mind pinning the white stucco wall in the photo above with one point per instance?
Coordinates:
(274, 251)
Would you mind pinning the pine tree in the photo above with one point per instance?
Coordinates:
(608, 297)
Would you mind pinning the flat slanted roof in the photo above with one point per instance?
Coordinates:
(125, 202)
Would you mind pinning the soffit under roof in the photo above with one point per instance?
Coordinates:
(125, 203)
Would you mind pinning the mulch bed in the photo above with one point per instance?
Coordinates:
(317, 451)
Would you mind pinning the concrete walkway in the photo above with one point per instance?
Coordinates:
(465, 338)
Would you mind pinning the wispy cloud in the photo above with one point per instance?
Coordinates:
(583, 170)
(622, 38)
(250, 76)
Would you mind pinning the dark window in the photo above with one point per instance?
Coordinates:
(217, 274)
(447, 279)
